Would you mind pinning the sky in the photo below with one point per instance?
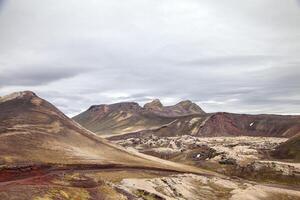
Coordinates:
(232, 56)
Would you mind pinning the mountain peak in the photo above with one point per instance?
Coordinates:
(155, 104)
(186, 107)
(17, 95)
(190, 106)
(185, 102)
(121, 106)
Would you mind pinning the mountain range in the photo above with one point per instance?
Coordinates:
(185, 118)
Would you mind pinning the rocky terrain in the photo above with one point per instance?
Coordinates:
(195, 187)
(246, 157)
(137, 185)
(125, 120)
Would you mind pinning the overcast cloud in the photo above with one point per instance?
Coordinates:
(235, 56)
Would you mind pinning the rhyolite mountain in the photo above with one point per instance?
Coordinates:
(33, 132)
(185, 118)
(130, 117)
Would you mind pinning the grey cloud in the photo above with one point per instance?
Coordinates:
(35, 75)
(225, 61)
(228, 56)
(1, 2)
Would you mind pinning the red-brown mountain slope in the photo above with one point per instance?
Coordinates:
(183, 118)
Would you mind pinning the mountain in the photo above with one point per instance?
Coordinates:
(118, 118)
(289, 149)
(184, 118)
(129, 117)
(229, 124)
(34, 132)
(181, 109)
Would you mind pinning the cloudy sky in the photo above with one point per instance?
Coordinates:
(236, 56)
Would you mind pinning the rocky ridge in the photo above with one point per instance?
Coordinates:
(124, 120)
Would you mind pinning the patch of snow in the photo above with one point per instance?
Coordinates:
(252, 124)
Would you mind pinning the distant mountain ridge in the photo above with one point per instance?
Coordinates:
(185, 118)
(129, 116)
